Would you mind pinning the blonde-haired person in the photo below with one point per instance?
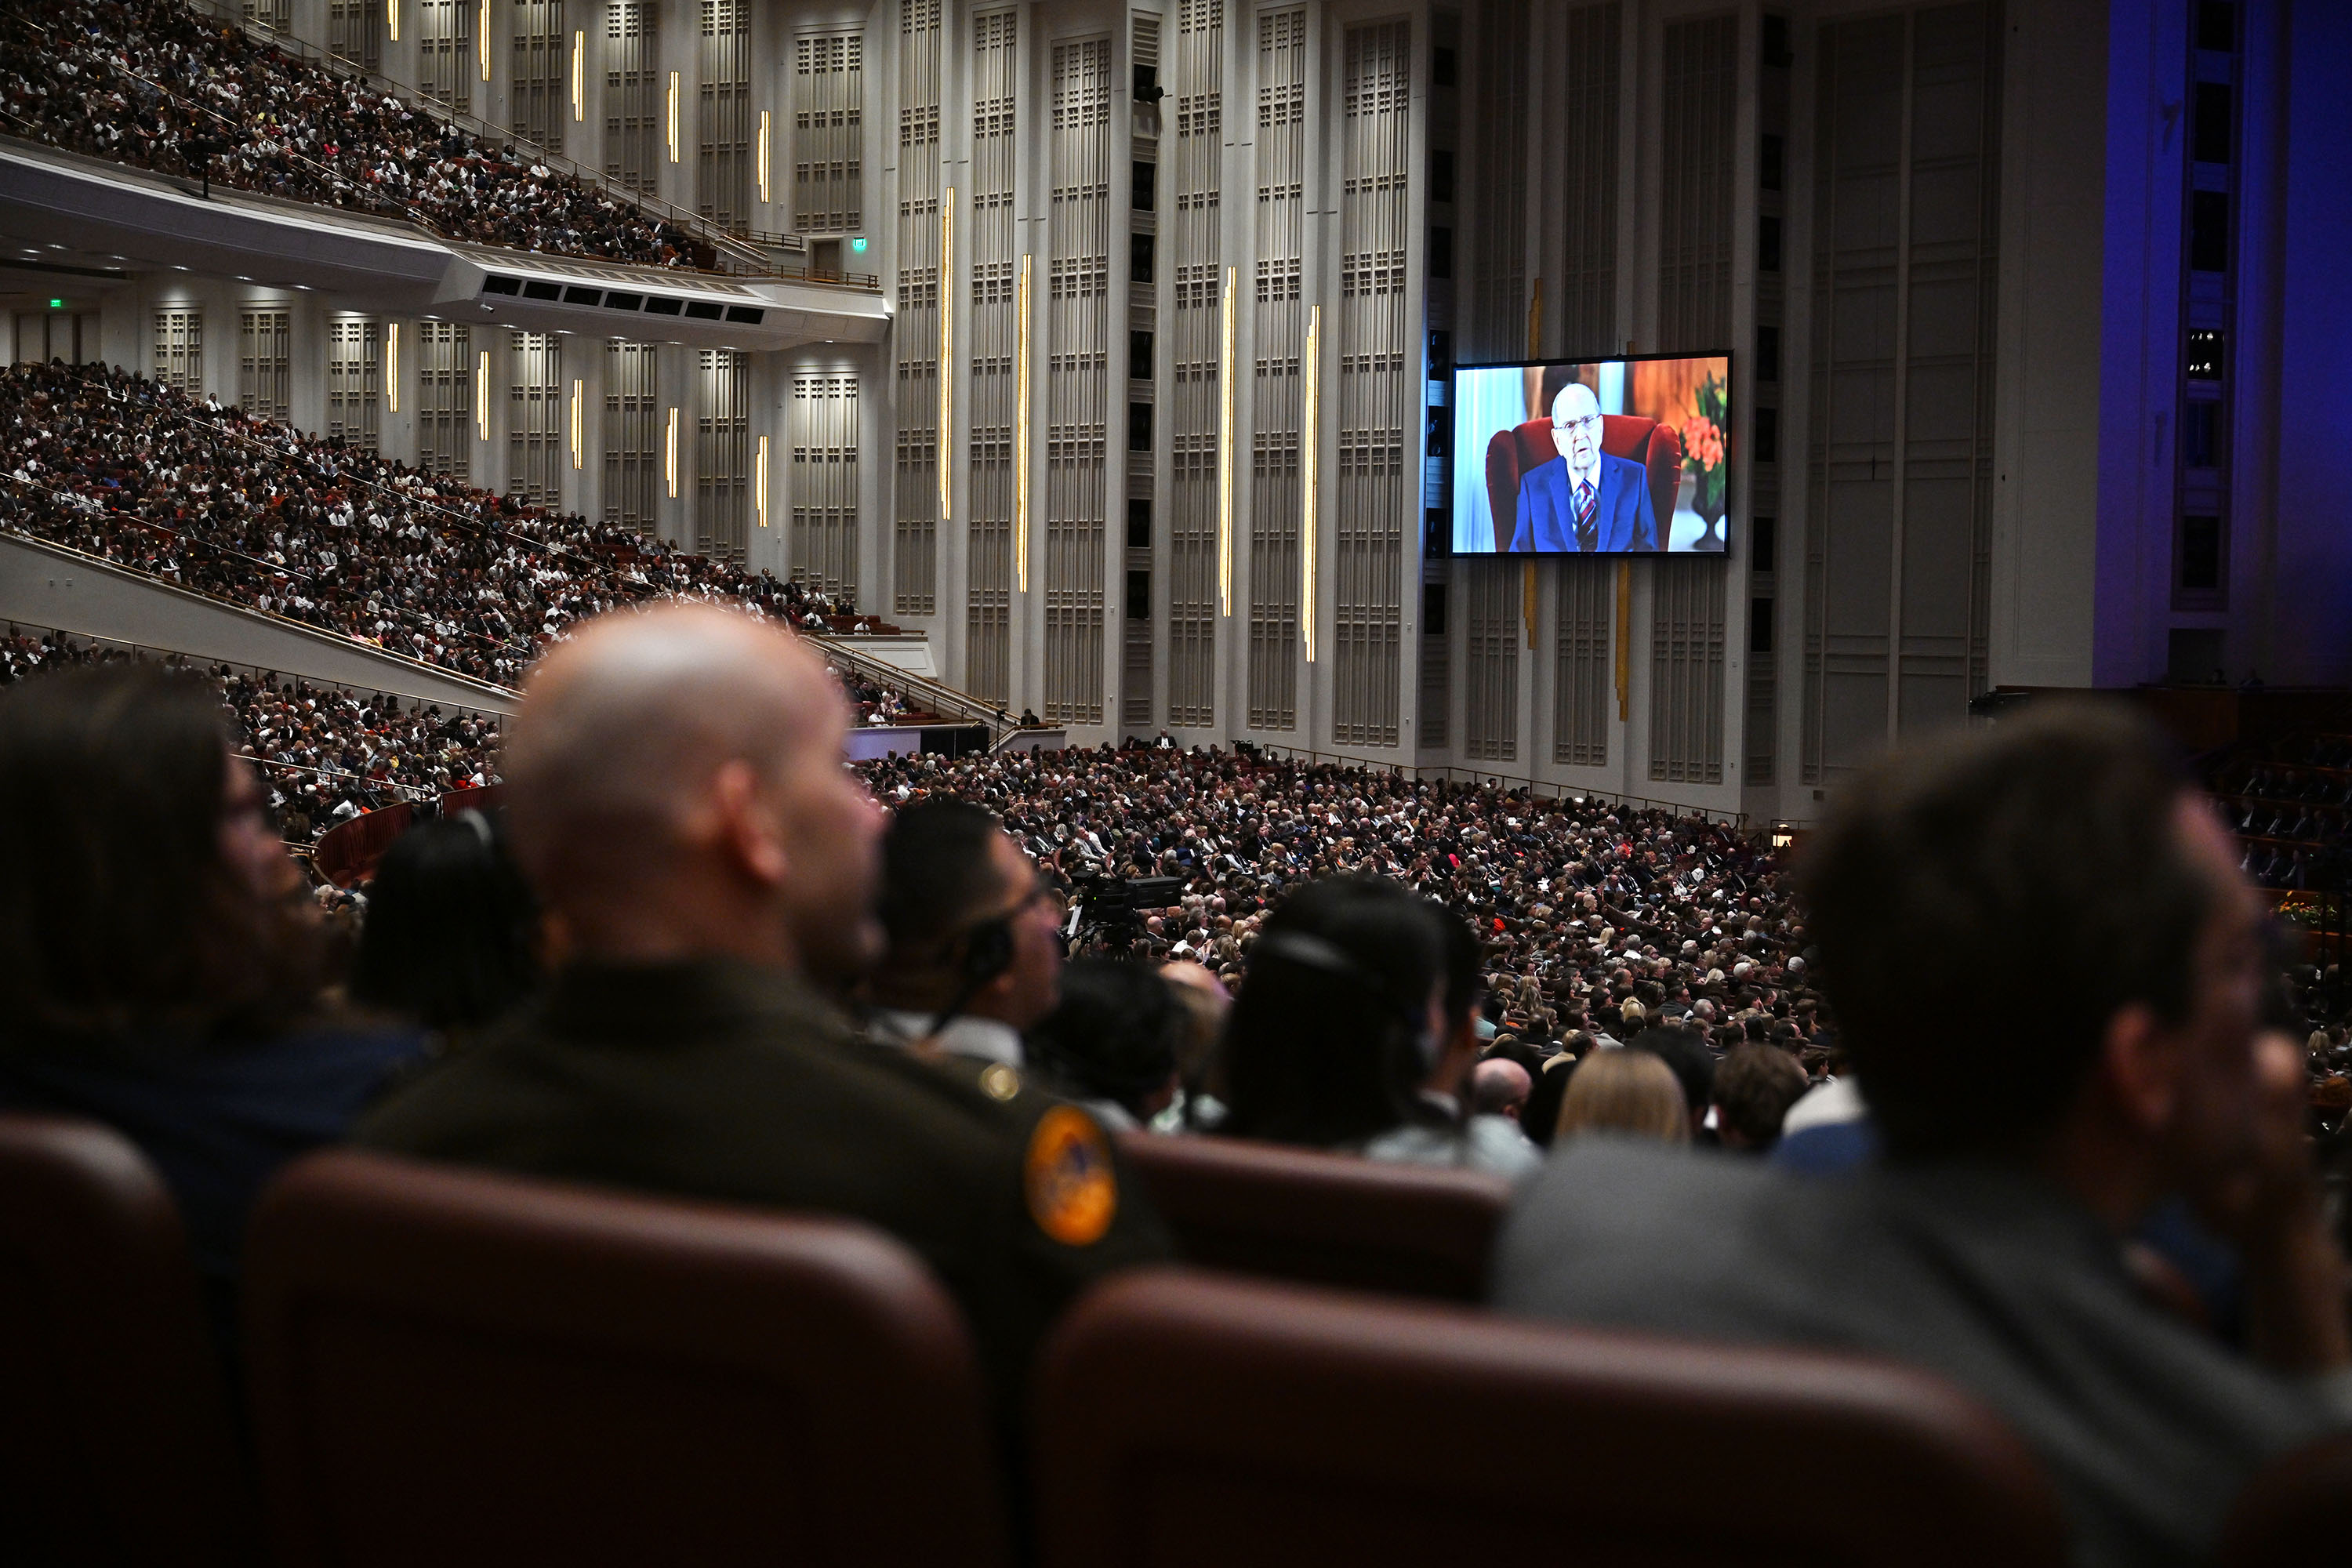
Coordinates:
(1624, 1092)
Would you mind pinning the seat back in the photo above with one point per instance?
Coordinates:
(1511, 454)
(1184, 1417)
(2292, 1514)
(464, 1369)
(347, 853)
(1323, 1219)
(116, 1446)
(1659, 450)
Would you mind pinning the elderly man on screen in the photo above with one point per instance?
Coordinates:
(1584, 499)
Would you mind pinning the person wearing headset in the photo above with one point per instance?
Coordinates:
(973, 933)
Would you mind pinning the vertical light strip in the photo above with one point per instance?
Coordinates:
(482, 394)
(392, 366)
(482, 39)
(1021, 430)
(673, 117)
(1225, 449)
(669, 455)
(578, 76)
(575, 426)
(391, 18)
(759, 482)
(946, 347)
(1310, 438)
(763, 157)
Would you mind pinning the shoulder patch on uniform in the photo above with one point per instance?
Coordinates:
(1073, 1196)
(1000, 1082)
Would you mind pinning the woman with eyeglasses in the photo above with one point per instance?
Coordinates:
(161, 967)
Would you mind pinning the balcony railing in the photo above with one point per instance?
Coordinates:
(1538, 789)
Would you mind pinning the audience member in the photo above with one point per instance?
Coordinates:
(1111, 1043)
(328, 754)
(1200, 1059)
(974, 951)
(1539, 1117)
(452, 939)
(676, 795)
(1458, 1134)
(1685, 1053)
(1828, 1130)
(1499, 1087)
(2047, 969)
(1341, 1026)
(1755, 1085)
(159, 969)
(1331, 1036)
(1630, 1092)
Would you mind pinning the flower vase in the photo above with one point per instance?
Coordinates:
(1706, 501)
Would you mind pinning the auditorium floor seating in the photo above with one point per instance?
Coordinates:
(457, 1368)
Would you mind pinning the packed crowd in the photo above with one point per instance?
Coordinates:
(1597, 922)
(152, 82)
(327, 752)
(1587, 910)
(2292, 807)
(876, 703)
(248, 510)
(2070, 1169)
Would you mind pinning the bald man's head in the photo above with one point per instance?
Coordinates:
(1498, 1086)
(1576, 426)
(673, 763)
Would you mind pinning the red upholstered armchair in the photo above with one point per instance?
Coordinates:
(1513, 452)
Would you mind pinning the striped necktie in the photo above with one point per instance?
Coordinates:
(1587, 516)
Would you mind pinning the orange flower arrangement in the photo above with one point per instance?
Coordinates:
(1703, 443)
(1705, 449)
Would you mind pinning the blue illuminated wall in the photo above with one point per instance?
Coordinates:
(2283, 609)
(2311, 637)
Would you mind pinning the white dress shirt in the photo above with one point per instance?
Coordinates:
(983, 1039)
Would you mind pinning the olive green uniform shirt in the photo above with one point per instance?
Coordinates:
(720, 1079)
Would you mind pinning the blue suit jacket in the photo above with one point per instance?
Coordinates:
(1548, 508)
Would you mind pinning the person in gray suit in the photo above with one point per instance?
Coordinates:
(2048, 974)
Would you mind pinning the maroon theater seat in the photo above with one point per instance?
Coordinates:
(1184, 1417)
(1322, 1219)
(2295, 1513)
(463, 1369)
(115, 1440)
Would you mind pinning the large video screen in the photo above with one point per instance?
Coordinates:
(1610, 457)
